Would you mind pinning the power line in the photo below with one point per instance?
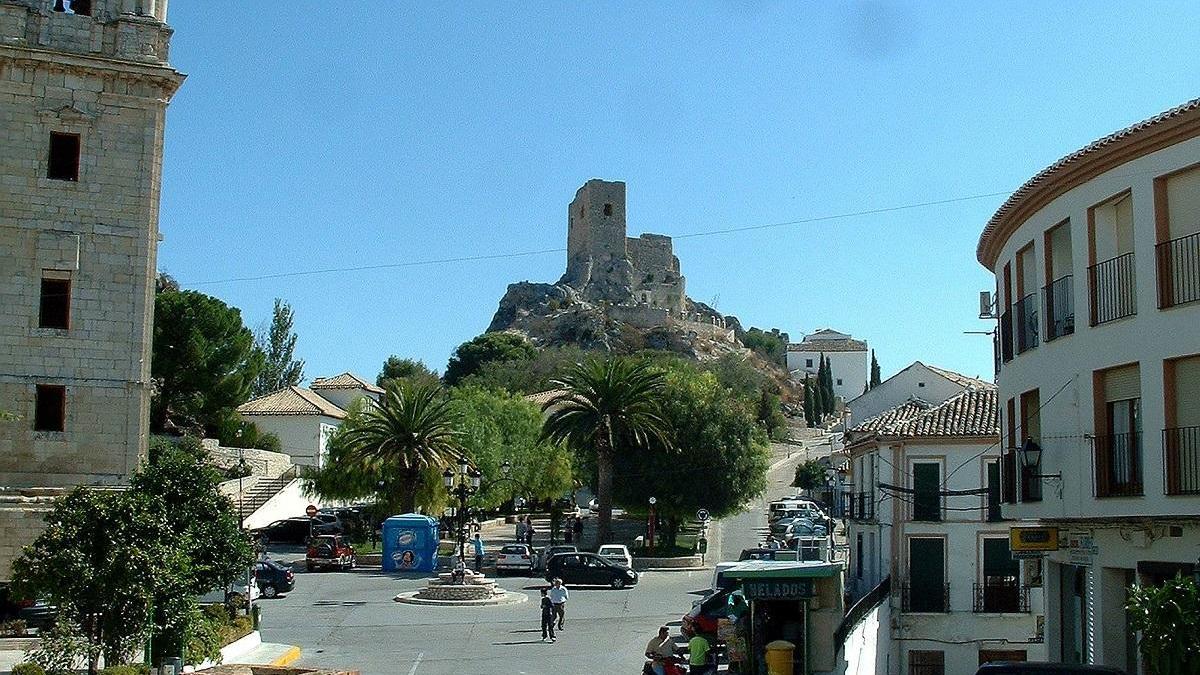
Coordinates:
(523, 254)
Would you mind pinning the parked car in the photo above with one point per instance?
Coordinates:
(273, 578)
(1035, 668)
(35, 613)
(291, 531)
(515, 557)
(719, 582)
(702, 620)
(589, 569)
(244, 586)
(769, 554)
(330, 523)
(617, 553)
(551, 551)
(330, 550)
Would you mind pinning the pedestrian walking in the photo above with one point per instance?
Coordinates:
(578, 530)
(559, 595)
(547, 618)
(569, 530)
(529, 532)
(521, 529)
(478, 544)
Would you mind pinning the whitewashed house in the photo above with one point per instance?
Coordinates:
(303, 419)
(925, 513)
(849, 360)
(917, 380)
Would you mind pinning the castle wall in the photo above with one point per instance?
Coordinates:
(595, 229)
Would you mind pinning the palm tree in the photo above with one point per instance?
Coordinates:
(606, 406)
(410, 430)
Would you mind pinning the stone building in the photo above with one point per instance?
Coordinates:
(84, 88)
(605, 265)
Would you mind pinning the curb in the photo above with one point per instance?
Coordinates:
(509, 598)
(675, 569)
(288, 657)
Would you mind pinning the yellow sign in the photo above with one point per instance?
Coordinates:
(1033, 539)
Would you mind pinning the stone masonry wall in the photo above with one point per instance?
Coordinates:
(22, 519)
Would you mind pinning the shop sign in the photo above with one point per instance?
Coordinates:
(1026, 539)
(778, 589)
(1081, 548)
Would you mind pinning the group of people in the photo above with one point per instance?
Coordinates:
(572, 532)
(525, 530)
(665, 661)
(554, 609)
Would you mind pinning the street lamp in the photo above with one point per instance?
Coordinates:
(461, 485)
(1031, 460)
(653, 521)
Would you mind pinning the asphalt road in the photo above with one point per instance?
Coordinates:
(349, 620)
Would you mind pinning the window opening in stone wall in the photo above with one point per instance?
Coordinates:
(608, 209)
(81, 7)
(64, 157)
(50, 408)
(56, 304)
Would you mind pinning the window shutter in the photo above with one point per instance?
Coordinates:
(1121, 384)
(998, 560)
(1187, 392)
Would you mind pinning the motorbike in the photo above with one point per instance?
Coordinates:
(673, 666)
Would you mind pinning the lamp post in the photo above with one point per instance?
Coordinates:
(1031, 460)
(653, 522)
(461, 484)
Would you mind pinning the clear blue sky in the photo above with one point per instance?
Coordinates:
(314, 135)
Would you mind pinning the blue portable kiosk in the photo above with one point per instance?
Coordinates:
(410, 543)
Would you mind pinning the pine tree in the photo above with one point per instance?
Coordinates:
(828, 397)
(278, 345)
(874, 371)
(808, 402)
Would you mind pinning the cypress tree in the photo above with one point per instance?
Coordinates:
(874, 370)
(828, 396)
(818, 407)
(808, 402)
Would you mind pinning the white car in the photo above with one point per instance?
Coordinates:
(617, 553)
(518, 557)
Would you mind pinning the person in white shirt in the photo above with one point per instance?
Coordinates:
(558, 600)
(660, 650)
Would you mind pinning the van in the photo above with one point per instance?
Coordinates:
(719, 582)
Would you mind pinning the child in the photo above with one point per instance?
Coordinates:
(547, 618)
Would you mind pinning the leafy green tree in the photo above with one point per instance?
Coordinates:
(607, 407)
(874, 371)
(235, 432)
(278, 345)
(810, 475)
(716, 457)
(526, 376)
(770, 414)
(392, 449)
(498, 427)
(396, 368)
(1168, 619)
(470, 356)
(769, 344)
(204, 361)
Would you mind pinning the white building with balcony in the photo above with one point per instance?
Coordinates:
(1097, 264)
(925, 512)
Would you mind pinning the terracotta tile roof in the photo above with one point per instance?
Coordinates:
(543, 397)
(959, 378)
(291, 401)
(837, 345)
(1184, 114)
(971, 413)
(344, 381)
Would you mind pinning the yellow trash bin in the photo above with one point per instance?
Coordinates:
(779, 657)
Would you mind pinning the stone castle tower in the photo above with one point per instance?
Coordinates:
(605, 265)
(85, 87)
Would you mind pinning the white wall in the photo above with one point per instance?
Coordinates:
(915, 380)
(345, 398)
(867, 649)
(853, 368)
(290, 502)
(301, 436)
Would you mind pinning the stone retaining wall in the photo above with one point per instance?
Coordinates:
(682, 562)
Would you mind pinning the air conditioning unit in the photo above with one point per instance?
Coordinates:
(985, 305)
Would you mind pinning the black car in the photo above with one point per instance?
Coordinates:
(1035, 668)
(273, 578)
(589, 569)
(291, 531)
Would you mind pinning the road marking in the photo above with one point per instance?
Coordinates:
(416, 664)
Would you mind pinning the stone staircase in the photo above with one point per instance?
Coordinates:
(262, 491)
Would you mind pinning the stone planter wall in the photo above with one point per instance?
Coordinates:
(682, 562)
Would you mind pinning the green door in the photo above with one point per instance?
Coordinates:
(926, 574)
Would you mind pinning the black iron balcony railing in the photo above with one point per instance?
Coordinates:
(920, 597)
(1006, 337)
(862, 506)
(1178, 270)
(1060, 307)
(1118, 465)
(1001, 597)
(1026, 310)
(1181, 459)
(1113, 288)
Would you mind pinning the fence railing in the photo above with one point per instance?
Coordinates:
(859, 610)
(996, 597)
(862, 506)
(1113, 289)
(924, 598)
(1181, 461)
(1178, 270)
(1006, 337)
(1118, 465)
(1060, 307)
(1026, 310)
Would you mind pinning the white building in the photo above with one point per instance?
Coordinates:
(1111, 394)
(917, 380)
(303, 419)
(921, 515)
(849, 360)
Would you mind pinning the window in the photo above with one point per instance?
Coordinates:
(56, 301)
(1118, 439)
(1181, 437)
(921, 385)
(993, 490)
(608, 209)
(927, 503)
(923, 662)
(1001, 590)
(1059, 290)
(1009, 473)
(926, 589)
(808, 363)
(50, 408)
(64, 157)
(858, 557)
(1177, 231)
(1111, 282)
(839, 382)
(81, 7)
(1026, 305)
(1031, 428)
(1006, 317)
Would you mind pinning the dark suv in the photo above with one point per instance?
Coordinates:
(589, 569)
(273, 578)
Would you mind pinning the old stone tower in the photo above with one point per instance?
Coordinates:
(605, 265)
(84, 87)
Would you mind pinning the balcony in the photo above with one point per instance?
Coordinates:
(922, 598)
(1060, 307)
(1026, 310)
(1118, 465)
(1178, 271)
(862, 505)
(1001, 597)
(1113, 289)
(1181, 459)
(1006, 337)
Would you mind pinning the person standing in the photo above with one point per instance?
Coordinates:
(558, 598)
(698, 656)
(478, 544)
(578, 526)
(547, 618)
(569, 530)
(529, 532)
(520, 529)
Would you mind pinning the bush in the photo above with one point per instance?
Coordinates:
(28, 669)
(132, 669)
(14, 628)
